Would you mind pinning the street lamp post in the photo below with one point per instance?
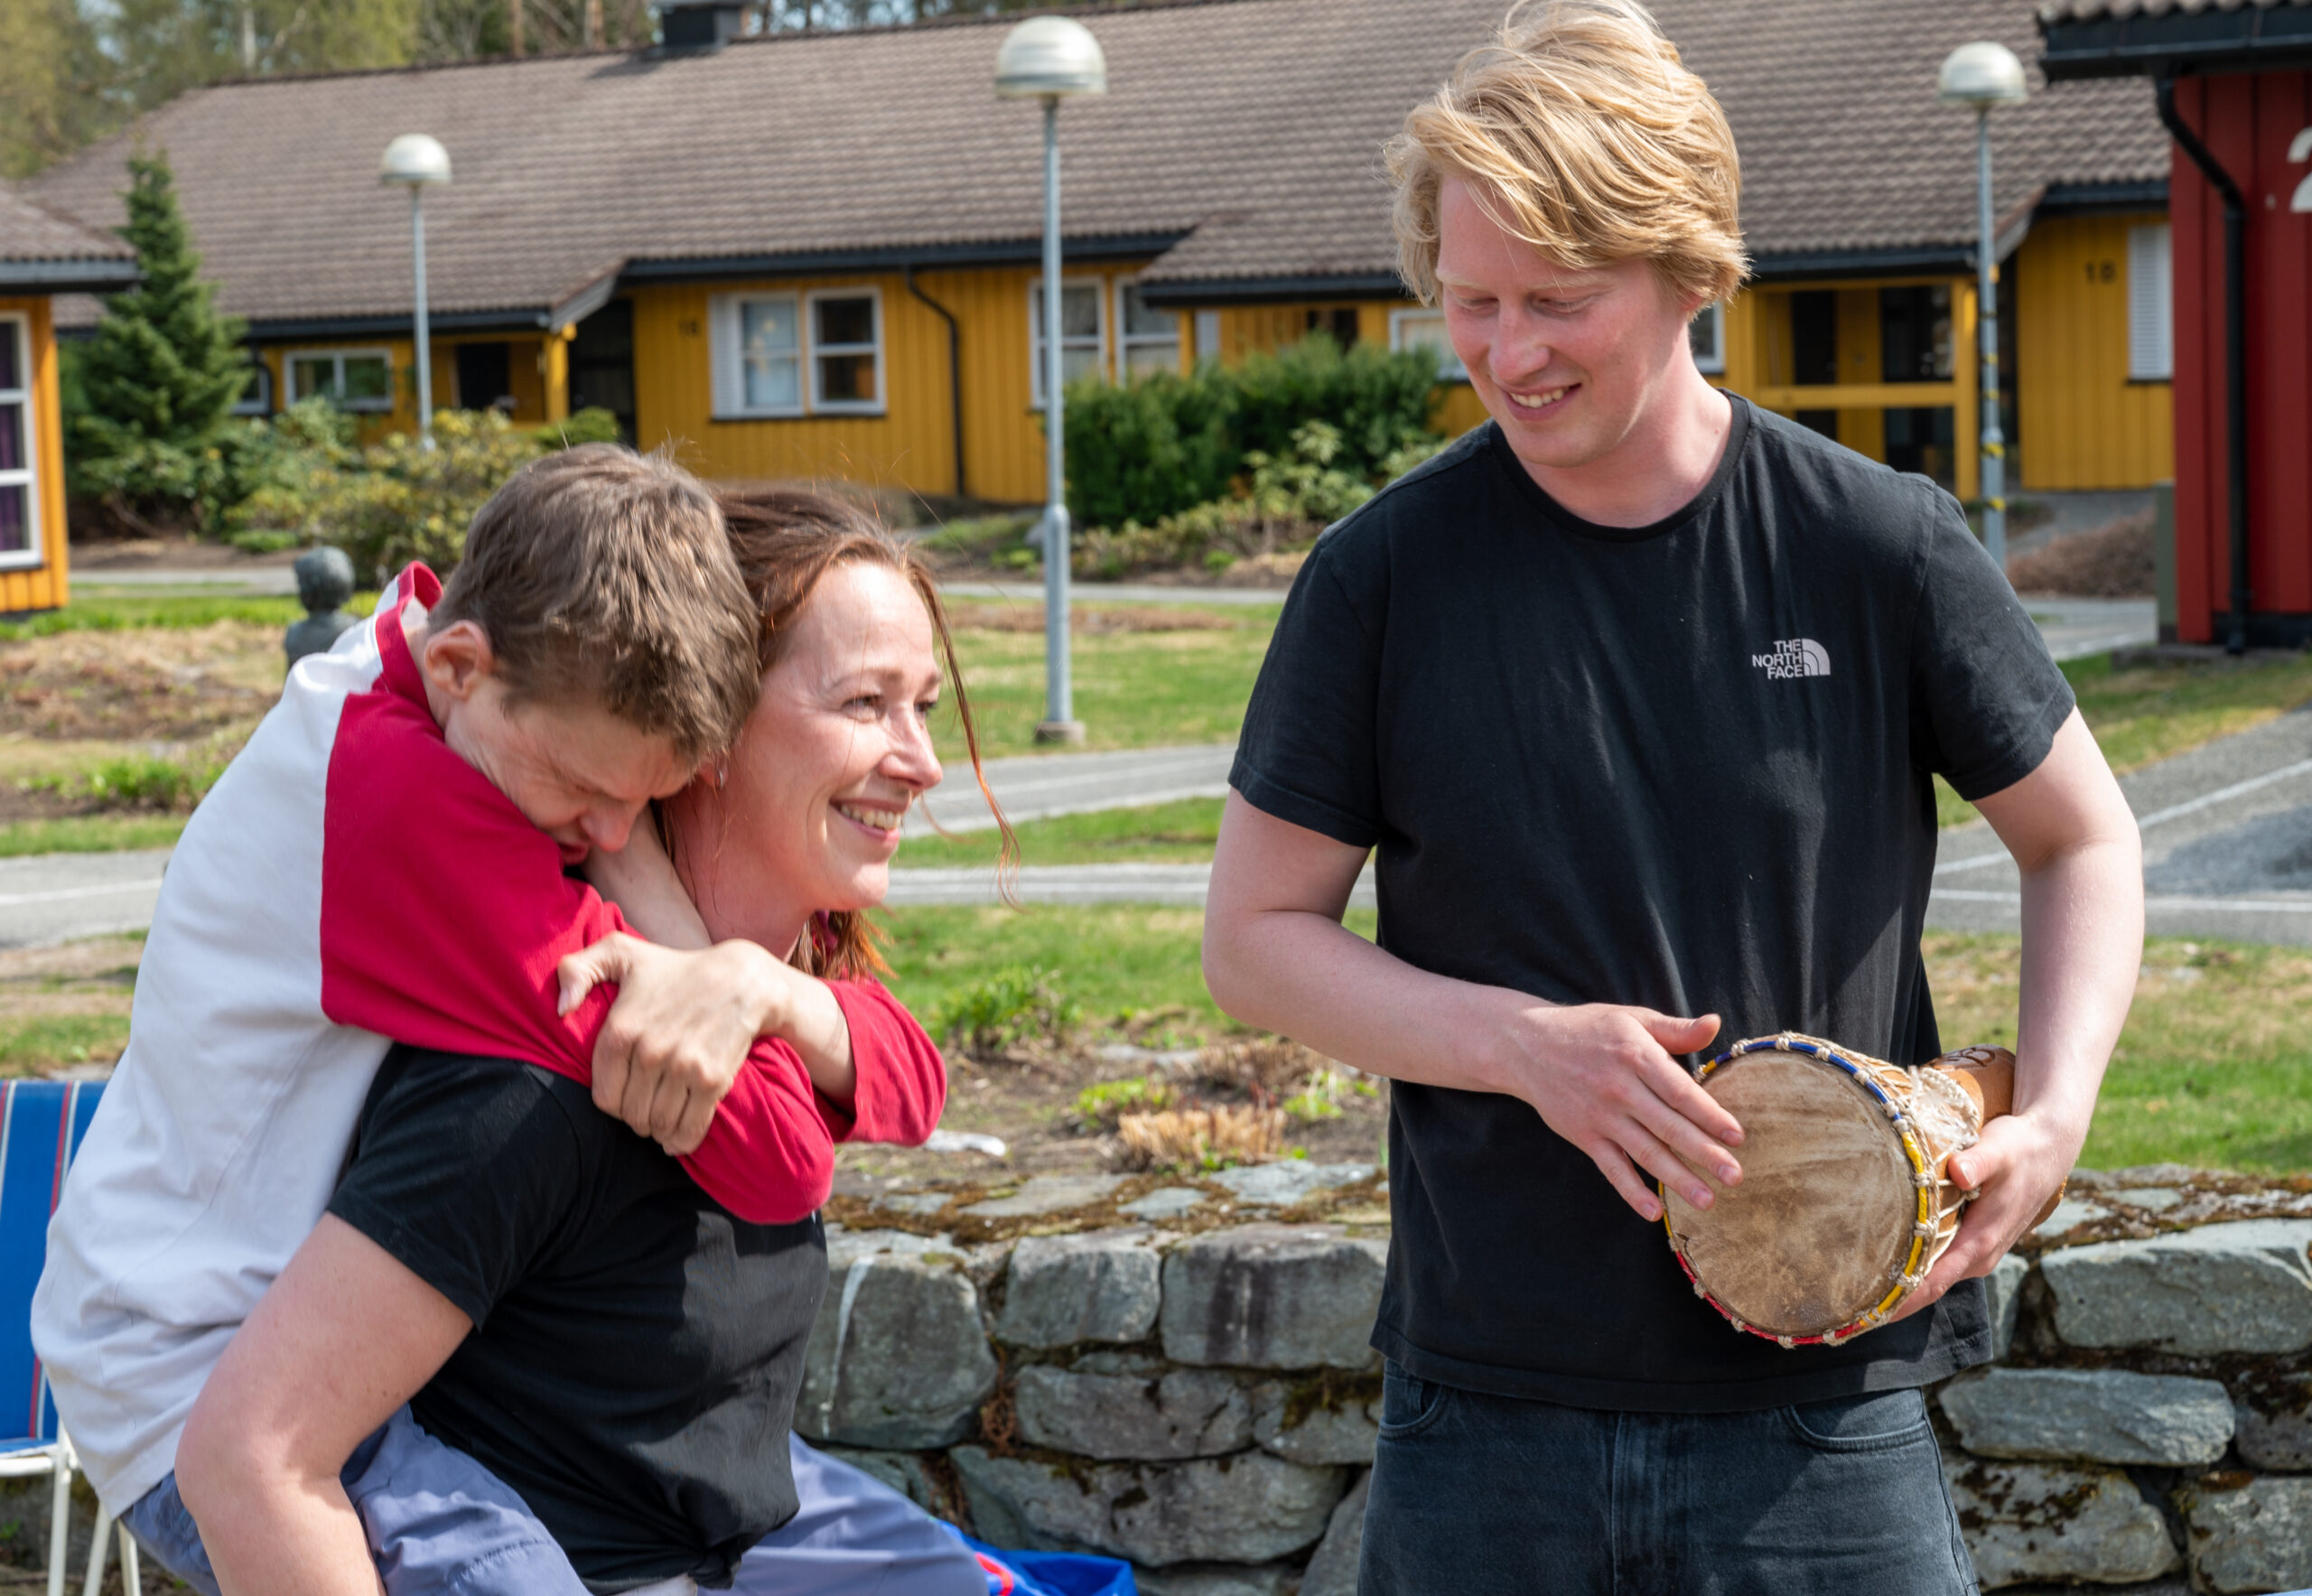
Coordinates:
(1980, 76)
(1052, 59)
(419, 162)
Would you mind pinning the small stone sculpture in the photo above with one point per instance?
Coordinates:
(325, 583)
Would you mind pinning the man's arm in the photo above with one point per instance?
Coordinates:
(1600, 1074)
(2075, 842)
(345, 1336)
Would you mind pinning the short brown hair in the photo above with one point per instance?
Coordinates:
(604, 576)
(785, 541)
(1582, 133)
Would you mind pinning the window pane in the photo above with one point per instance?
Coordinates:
(1079, 312)
(1702, 338)
(1427, 332)
(774, 382)
(11, 436)
(15, 524)
(367, 378)
(2151, 334)
(1079, 362)
(1143, 321)
(843, 321)
(1151, 356)
(847, 380)
(768, 327)
(11, 358)
(311, 375)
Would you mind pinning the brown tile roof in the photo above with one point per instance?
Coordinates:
(2067, 11)
(41, 247)
(1249, 129)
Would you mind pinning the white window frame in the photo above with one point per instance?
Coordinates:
(1127, 340)
(1099, 286)
(1449, 365)
(289, 359)
(1710, 362)
(809, 339)
(726, 358)
(2151, 304)
(35, 554)
(259, 402)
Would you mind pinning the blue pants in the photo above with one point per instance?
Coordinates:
(1490, 1496)
(441, 1524)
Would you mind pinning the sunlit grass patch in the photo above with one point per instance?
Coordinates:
(2215, 1066)
(1181, 832)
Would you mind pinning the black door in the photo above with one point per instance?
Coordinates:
(485, 377)
(601, 364)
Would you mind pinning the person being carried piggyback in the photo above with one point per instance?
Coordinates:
(385, 860)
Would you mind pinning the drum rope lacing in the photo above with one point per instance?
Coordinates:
(1941, 1102)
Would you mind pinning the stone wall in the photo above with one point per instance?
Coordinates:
(1175, 1372)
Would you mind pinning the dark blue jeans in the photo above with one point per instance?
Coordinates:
(1482, 1495)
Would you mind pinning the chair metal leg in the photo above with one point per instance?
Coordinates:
(132, 1574)
(99, 1544)
(60, 1527)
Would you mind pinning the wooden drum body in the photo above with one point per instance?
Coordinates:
(1842, 1207)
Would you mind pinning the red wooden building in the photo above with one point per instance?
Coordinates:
(2235, 90)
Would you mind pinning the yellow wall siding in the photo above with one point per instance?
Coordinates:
(2082, 423)
(911, 445)
(45, 586)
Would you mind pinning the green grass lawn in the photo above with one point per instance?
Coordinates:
(1182, 832)
(88, 834)
(2215, 1066)
(1132, 689)
(118, 610)
(1125, 965)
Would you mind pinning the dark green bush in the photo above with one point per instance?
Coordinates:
(1147, 448)
(1162, 443)
(1377, 401)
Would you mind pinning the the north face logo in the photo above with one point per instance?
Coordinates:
(1794, 656)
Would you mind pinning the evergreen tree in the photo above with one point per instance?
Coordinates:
(161, 371)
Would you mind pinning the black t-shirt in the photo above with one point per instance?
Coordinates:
(1684, 766)
(636, 1349)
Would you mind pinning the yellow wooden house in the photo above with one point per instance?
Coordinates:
(817, 255)
(43, 253)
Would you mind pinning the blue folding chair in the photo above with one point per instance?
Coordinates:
(42, 1123)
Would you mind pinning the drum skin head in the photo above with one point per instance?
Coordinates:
(1819, 1227)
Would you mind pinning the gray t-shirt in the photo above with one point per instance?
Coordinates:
(1684, 766)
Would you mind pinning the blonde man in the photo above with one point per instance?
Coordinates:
(1533, 675)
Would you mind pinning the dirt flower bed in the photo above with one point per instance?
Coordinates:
(161, 684)
(2112, 561)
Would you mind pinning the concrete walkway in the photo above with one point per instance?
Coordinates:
(57, 897)
(2227, 845)
(1037, 787)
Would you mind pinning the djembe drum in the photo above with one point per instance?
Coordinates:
(1843, 1206)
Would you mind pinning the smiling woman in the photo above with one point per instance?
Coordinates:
(839, 745)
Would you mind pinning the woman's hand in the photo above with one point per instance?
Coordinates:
(683, 1024)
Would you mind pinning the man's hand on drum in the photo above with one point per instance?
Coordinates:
(1603, 1077)
(2014, 1169)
